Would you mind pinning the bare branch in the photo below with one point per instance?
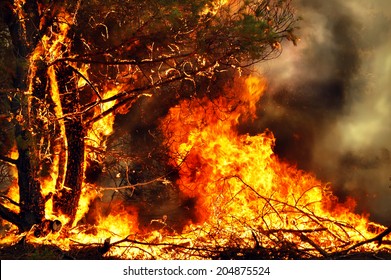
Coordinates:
(378, 238)
(9, 200)
(139, 62)
(10, 216)
(85, 79)
(313, 244)
(8, 160)
(159, 179)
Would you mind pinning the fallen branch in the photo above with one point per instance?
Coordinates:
(300, 231)
(313, 244)
(378, 238)
(86, 80)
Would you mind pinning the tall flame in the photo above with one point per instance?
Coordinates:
(244, 195)
(241, 186)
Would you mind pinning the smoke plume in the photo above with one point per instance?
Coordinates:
(329, 99)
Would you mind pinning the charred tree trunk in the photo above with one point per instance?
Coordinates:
(32, 205)
(31, 202)
(34, 136)
(25, 36)
(24, 33)
(67, 200)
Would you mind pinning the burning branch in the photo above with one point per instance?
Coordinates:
(378, 239)
(8, 159)
(9, 200)
(85, 79)
(159, 179)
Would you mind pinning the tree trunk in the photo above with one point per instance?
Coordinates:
(24, 39)
(38, 138)
(32, 205)
(67, 200)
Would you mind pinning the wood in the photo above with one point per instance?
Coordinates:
(47, 227)
(67, 199)
(56, 226)
(105, 247)
(378, 239)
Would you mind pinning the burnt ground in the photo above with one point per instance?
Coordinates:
(27, 251)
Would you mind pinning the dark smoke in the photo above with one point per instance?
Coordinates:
(329, 99)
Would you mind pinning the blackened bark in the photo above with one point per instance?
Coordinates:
(11, 216)
(31, 201)
(20, 46)
(67, 200)
(28, 134)
(25, 36)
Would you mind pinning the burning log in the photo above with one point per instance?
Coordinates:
(47, 227)
(56, 226)
(105, 247)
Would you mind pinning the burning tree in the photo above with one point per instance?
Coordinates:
(78, 64)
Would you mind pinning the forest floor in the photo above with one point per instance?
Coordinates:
(26, 251)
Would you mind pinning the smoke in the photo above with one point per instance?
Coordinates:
(329, 99)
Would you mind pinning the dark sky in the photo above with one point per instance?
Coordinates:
(329, 99)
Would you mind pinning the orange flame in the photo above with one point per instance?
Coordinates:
(241, 186)
(243, 192)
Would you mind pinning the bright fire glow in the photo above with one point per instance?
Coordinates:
(245, 196)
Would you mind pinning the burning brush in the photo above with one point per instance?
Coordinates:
(227, 194)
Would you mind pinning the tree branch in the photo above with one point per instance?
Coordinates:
(159, 179)
(122, 61)
(85, 79)
(378, 238)
(10, 216)
(8, 160)
(9, 200)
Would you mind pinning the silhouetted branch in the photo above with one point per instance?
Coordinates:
(87, 80)
(378, 238)
(9, 200)
(10, 216)
(8, 160)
